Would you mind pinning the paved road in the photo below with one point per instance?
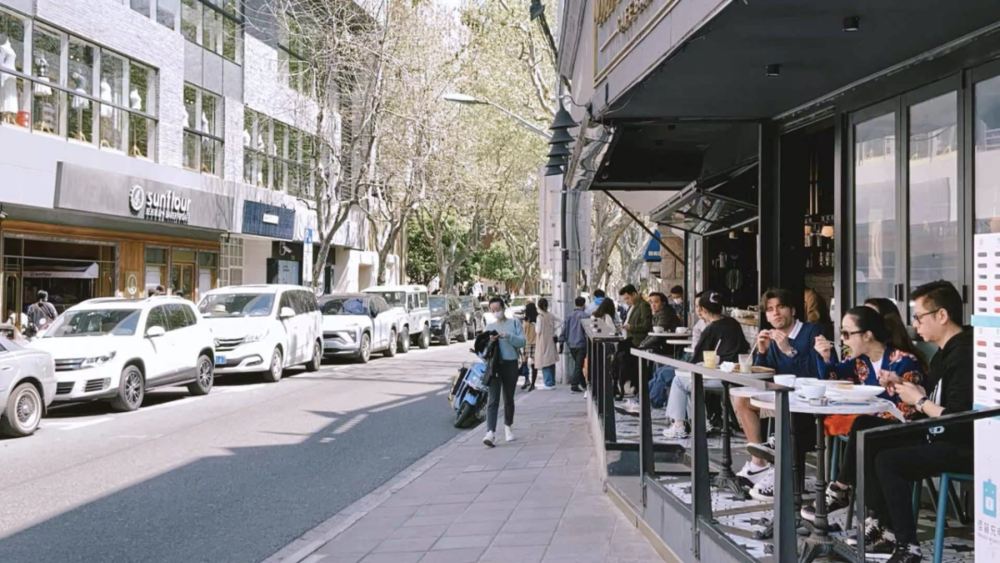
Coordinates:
(234, 476)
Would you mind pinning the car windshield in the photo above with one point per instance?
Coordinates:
(438, 302)
(349, 306)
(95, 322)
(394, 298)
(521, 301)
(225, 305)
(468, 303)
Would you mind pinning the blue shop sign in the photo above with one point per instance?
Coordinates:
(268, 220)
(652, 253)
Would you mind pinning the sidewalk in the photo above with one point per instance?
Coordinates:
(537, 499)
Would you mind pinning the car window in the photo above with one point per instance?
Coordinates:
(192, 319)
(423, 299)
(383, 305)
(344, 306)
(286, 301)
(373, 308)
(156, 317)
(309, 299)
(176, 317)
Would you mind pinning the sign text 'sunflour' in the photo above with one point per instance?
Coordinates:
(164, 207)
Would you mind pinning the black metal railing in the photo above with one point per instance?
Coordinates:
(895, 431)
(603, 341)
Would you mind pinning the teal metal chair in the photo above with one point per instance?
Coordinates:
(943, 492)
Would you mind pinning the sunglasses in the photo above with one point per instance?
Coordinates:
(845, 334)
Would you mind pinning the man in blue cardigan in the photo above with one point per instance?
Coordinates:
(787, 349)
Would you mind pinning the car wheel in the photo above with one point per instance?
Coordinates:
(317, 359)
(365, 350)
(273, 375)
(131, 390)
(206, 377)
(24, 412)
(390, 350)
(463, 335)
(425, 339)
(404, 342)
(446, 335)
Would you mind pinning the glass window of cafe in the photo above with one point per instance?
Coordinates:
(914, 165)
(184, 272)
(70, 271)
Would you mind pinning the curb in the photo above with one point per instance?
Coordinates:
(314, 539)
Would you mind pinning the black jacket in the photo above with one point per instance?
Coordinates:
(727, 334)
(953, 367)
(488, 349)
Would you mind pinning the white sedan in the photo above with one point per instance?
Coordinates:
(27, 387)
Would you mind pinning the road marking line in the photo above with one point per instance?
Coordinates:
(345, 427)
(74, 425)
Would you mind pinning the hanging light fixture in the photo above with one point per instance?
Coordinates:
(852, 24)
(561, 138)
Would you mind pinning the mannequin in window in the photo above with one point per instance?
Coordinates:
(8, 83)
(80, 103)
(135, 99)
(43, 94)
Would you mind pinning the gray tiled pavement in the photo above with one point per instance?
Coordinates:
(537, 499)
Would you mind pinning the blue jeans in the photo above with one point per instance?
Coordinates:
(549, 376)
(659, 386)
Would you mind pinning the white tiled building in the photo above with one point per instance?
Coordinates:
(157, 142)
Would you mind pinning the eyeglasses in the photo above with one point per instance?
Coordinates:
(917, 319)
(845, 334)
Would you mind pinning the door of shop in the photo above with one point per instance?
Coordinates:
(182, 280)
(910, 220)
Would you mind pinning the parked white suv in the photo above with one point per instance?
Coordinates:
(264, 328)
(118, 348)
(412, 299)
(357, 324)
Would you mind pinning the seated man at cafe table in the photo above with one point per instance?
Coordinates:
(787, 349)
(899, 461)
(665, 321)
(638, 322)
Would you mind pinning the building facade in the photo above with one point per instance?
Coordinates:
(158, 143)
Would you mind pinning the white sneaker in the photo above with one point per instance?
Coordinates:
(752, 472)
(544, 387)
(632, 406)
(508, 434)
(764, 489)
(763, 451)
(586, 394)
(489, 439)
(675, 433)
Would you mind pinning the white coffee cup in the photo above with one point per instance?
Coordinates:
(812, 391)
(680, 330)
(658, 329)
(786, 380)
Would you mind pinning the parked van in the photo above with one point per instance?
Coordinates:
(264, 328)
(413, 300)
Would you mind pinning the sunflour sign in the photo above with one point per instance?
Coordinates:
(79, 188)
(164, 207)
(620, 25)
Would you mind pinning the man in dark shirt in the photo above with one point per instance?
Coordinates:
(663, 317)
(903, 460)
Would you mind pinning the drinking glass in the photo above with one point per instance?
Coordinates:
(746, 360)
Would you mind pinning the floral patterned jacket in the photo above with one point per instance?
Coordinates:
(860, 371)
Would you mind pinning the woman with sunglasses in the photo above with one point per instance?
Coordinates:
(874, 360)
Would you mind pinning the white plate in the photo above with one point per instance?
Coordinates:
(803, 381)
(858, 393)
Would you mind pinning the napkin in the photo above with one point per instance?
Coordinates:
(728, 367)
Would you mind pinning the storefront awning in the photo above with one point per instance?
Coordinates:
(699, 208)
(81, 272)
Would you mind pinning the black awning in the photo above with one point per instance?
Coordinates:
(699, 208)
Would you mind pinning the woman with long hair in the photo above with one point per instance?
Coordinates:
(898, 335)
(864, 330)
(606, 311)
(528, 352)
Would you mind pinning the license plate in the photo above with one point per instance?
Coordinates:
(220, 360)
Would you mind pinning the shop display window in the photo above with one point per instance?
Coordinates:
(166, 12)
(77, 90)
(216, 25)
(203, 131)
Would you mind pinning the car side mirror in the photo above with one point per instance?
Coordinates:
(286, 313)
(373, 313)
(155, 332)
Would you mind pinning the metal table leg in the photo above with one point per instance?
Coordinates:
(726, 479)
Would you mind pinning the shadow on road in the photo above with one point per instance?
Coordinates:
(247, 503)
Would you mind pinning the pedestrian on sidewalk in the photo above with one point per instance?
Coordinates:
(572, 334)
(545, 345)
(599, 297)
(528, 352)
(510, 338)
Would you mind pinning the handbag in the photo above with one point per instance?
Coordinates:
(523, 371)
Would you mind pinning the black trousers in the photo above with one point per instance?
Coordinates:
(505, 379)
(898, 468)
(849, 466)
(579, 354)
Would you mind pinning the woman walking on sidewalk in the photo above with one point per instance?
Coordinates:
(528, 352)
(509, 339)
(545, 345)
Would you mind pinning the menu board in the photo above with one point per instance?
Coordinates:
(986, 394)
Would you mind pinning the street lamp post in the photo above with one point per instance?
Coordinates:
(466, 99)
